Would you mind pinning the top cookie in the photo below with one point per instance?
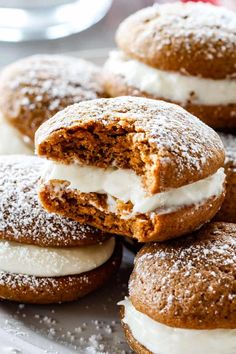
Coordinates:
(158, 140)
(23, 220)
(193, 38)
(35, 88)
(190, 282)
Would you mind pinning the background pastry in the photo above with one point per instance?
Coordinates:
(33, 89)
(182, 53)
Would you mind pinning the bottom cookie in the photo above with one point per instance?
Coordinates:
(132, 342)
(48, 290)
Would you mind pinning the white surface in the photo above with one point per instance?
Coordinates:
(52, 262)
(171, 85)
(125, 185)
(161, 339)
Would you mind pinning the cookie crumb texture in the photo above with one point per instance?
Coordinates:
(190, 282)
(156, 139)
(36, 290)
(91, 209)
(33, 89)
(22, 219)
(194, 39)
(228, 209)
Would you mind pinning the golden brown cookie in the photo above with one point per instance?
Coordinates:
(222, 117)
(48, 290)
(113, 161)
(182, 294)
(22, 219)
(182, 53)
(45, 258)
(228, 210)
(33, 89)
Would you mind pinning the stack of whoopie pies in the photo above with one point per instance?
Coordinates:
(45, 258)
(136, 166)
(150, 171)
(182, 53)
(182, 293)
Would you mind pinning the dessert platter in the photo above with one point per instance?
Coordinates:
(118, 191)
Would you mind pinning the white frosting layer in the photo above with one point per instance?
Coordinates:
(11, 142)
(171, 85)
(162, 339)
(52, 262)
(125, 185)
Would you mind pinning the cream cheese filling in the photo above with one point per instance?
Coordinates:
(17, 258)
(125, 185)
(161, 339)
(169, 85)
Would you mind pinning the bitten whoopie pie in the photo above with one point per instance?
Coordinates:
(35, 88)
(131, 166)
(182, 295)
(182, 53)
(228, 209)
(46, 258)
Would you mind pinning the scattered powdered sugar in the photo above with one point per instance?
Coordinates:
(22, 217)
(89, 326)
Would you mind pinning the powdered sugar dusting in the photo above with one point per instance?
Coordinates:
(179, 141)
(45, 84)
(205, 31)
(196, 21)
(196, 273)
(22, 217)
(16, 281)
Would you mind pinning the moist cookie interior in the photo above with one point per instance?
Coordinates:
(104, 147)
